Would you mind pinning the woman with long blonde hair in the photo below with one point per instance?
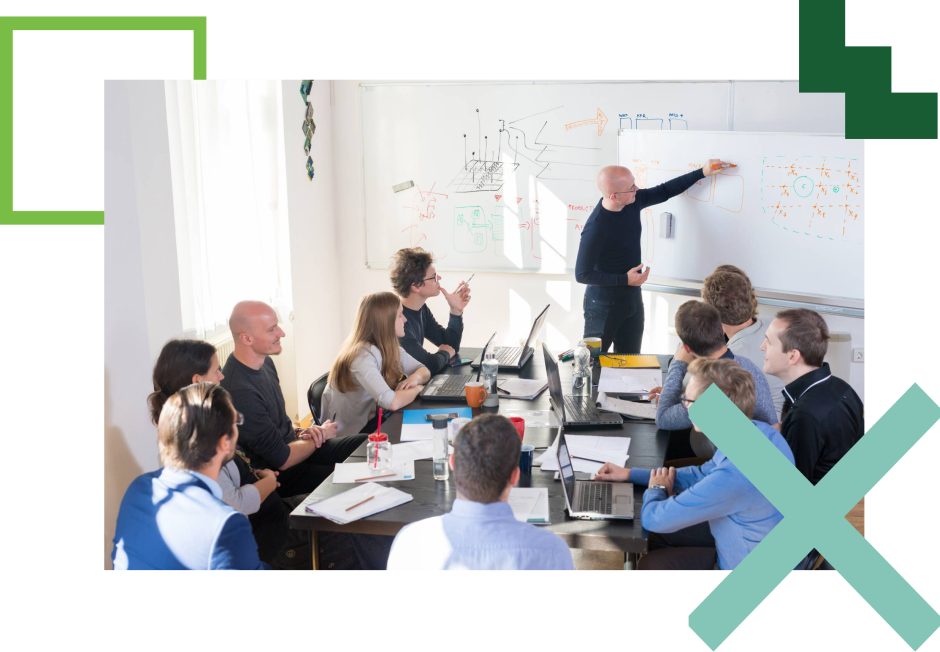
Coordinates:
(372, 370)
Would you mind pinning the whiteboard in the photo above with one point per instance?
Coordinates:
(504, 173)
(790, 214)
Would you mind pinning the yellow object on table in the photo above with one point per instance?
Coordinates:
(629, 361)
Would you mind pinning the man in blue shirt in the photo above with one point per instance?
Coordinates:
(609, 260)
(717, 517)
(174, 518)
(481, 532)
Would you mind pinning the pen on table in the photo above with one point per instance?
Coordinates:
(467, 282)
(376, 477)
(360, 502)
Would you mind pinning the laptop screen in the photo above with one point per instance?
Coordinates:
(554, 383)
(564, 466)
(536, 327)
(483, 355)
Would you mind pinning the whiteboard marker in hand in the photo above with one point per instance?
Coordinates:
(467, 282)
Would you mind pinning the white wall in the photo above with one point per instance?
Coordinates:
(315, 269)
(507, 302)
(142, 303)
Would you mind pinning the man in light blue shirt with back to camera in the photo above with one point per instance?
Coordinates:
(717, 517)
(480, 532)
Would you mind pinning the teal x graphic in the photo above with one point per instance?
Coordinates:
(814, 517)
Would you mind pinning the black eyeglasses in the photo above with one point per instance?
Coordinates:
(431, 278)
(686, 402)
(626, 192)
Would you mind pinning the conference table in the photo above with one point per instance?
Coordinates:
(648, 446)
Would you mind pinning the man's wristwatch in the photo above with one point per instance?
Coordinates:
(659, 486)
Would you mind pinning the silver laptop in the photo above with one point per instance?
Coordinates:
(574, 410)
(592, 500)
(515, 357)
(446, 387)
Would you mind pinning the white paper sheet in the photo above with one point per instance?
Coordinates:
(628, 408)
(411, 451)
(529, 505)
(588, 452)
(522, 388)
(361, 472)
(615, 380)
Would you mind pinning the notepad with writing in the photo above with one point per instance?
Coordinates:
(521, 388)
(363, 500)
(632, 409)
(362, 472)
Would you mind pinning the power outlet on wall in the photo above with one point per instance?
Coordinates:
(858, 355)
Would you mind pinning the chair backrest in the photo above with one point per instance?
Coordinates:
(315, 396)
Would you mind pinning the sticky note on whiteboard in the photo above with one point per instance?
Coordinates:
(403, 186)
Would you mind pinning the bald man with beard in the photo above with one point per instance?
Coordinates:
(609, 260)
(303, 457)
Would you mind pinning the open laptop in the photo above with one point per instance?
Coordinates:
(592, 500)
(515, 357)
(574, 410)
(444, 387)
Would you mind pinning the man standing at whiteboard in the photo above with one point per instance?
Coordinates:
(609, 259)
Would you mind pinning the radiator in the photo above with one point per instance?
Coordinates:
(224, 346)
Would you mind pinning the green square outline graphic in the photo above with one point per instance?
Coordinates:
(195, 24)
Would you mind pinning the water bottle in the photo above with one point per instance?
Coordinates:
(439, 455)
(581, 379)
(490, 373)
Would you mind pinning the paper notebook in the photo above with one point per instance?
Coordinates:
(362, 472)
(588, 452)
(631, 409)
(521, 388)
(530, 505)
(378, 499)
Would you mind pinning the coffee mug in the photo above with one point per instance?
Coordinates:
(519, 423)
(456, 425)
(475, 394)
(592, 342)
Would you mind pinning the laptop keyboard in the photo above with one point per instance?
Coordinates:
(452, 386)
(595, 497)
(577, 409)
(508, 354)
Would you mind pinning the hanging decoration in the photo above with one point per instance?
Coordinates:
(309, 127)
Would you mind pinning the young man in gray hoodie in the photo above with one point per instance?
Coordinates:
(699, 327)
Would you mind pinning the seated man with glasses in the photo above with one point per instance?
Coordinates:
(709, 516)
(415, 280)
(609, 261)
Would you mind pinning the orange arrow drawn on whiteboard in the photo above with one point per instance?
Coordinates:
(600, 121)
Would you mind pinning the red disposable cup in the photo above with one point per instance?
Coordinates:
(519, 423)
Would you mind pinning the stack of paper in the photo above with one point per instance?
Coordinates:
(369, 498)
(415, 425)
(521, 388)
(530, 505)
(412, 450)
(630, 409)
(629, 381)
(588, 452)
(362, 472)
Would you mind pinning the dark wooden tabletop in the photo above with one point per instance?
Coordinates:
(434, 498)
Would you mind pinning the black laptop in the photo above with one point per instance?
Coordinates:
(515, 357)
(574, 410)
(444, 387)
